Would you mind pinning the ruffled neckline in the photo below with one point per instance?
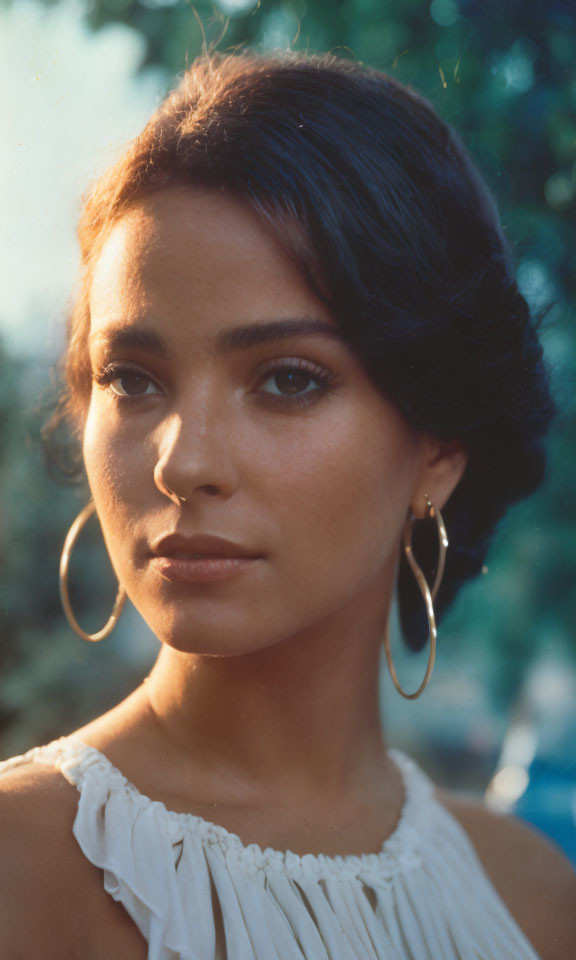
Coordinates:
(193, 888)
(80, 763)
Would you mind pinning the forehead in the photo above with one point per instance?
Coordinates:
(193, 234)
(196, 259)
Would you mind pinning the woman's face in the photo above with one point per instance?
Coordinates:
(271, 431)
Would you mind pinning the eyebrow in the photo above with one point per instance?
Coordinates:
(228, 340)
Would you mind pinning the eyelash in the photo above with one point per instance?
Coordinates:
(323, 377)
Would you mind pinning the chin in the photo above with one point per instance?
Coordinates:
(211, 639)
(201, 647)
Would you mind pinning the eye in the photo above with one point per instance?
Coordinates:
(290, 381)
(295, 382)
(135, 382)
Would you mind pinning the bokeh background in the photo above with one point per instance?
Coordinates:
(78, 80)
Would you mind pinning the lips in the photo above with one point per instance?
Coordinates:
(200, 546)
(201, 559)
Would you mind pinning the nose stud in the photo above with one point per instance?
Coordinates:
(178, 497)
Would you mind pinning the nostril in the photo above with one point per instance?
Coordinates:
(210, 489)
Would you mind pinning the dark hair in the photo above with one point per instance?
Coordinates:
(402, 240)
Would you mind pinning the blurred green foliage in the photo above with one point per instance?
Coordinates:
(505, 76)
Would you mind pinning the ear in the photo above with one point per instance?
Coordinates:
(442, 467)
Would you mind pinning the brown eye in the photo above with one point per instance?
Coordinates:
(132, 384)
(291, 381)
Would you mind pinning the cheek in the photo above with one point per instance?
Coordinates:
(114, 476)
(112, 459)
(343, 490)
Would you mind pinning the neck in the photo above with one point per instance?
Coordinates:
(303, 713)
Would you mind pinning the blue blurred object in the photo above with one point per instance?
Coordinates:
(535, 778)
(549, 803)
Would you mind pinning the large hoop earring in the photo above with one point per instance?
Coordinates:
(69, 542)
(429, 596)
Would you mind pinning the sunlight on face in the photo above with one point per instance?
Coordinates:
(220, 376)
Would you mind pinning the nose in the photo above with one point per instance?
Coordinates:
(196, 457)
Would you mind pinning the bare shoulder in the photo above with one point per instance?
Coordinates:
(36, 852)
(51, 897)
(37, 809)
(534, 878)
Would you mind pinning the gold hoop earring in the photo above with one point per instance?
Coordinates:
(429, 596)
(69, 542)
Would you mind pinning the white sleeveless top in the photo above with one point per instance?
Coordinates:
(197, 893)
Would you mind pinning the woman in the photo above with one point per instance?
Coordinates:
(298, 369)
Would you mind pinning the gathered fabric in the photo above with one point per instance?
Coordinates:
(196, 892)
